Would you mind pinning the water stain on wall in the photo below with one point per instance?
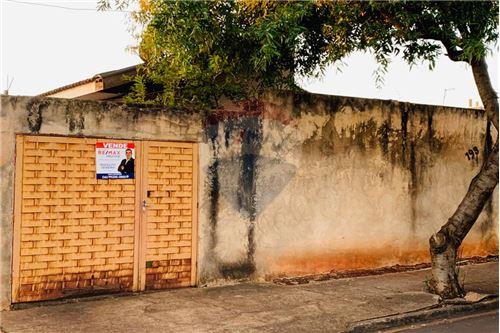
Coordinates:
(211, 128)
(249, 130)
(35, 114)
(75, 120)
(403, 134)
(412, 146)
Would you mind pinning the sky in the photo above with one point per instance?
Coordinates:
(44, 47)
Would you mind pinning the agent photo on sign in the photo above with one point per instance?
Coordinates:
(126, 167)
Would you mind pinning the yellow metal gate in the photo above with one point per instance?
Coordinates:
(75, 234)
(170, 211)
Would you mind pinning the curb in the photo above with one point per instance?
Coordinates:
(422, 315)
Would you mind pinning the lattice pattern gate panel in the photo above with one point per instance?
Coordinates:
(74, 234)
(171, 212)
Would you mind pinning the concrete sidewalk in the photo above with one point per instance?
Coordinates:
(328, 306)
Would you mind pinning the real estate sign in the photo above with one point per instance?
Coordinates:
(114, 160)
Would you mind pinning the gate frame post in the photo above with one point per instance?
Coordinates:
(16, 239)
(194, 217)
(139, 229)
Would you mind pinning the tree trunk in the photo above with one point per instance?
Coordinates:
(445, 243)
(445, 280)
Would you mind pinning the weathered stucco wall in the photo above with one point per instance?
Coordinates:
(293, 184)
(308, 183)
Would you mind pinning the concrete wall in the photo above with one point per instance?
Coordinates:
(311, 183)
(293, 184)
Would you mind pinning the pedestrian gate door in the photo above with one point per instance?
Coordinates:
(75, 234)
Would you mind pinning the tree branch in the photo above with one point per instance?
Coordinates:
(454, 55)
(488, 94)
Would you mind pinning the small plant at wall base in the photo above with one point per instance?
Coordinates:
(199, 51)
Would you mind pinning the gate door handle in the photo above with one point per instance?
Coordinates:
(144, 204)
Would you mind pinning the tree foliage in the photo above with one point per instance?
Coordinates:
(197, 51)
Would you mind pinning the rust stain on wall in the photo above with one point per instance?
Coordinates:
(312, 263)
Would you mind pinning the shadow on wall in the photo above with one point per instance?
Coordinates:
(403, 133)
(233, 178)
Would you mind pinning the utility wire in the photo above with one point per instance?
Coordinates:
(41, 4)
